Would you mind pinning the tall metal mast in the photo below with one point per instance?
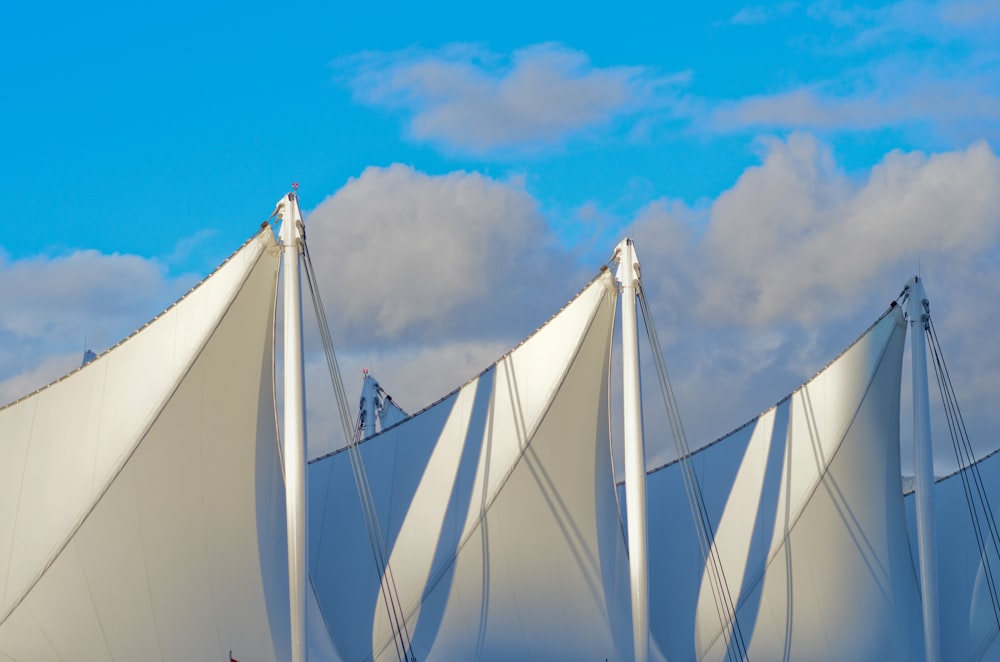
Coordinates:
(294, 437)
(635, 456)
(918, 312)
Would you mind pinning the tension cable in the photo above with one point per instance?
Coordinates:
(721, 593)
(380, 555)
(983, 521)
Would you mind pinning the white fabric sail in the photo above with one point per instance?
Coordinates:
(969, 627)
(807, 524)
(142, 511)
(141, 499)
(498, 507)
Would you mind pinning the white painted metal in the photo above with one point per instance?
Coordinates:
(635, 456)
(294, 438)
(923, 459)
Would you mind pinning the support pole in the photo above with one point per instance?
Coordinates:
(923, 461)
(635, 456)
(294, 435)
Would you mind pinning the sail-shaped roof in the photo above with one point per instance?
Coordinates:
(498, 507)
(807, 526)
(141, 501)
(142, 511)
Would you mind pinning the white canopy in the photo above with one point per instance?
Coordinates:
(807, 519)
(498, 508)
(141, 507)
(142, 511)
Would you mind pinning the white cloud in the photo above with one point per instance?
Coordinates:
(45, 294)
(408, 257)
(796, 231)
(469, 100)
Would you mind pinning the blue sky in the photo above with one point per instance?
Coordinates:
(784, 166)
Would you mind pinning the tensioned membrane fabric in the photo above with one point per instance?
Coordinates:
(498, 508)
(969, 629)
(808, 523)
(141, 498)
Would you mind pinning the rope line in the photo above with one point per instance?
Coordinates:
(972, 480)
(376, 539)
(721, 594)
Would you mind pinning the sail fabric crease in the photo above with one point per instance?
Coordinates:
(498, 508)
(806, 509)
(142, 518)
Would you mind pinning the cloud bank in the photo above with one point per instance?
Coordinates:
(796, 233)
(407, 257)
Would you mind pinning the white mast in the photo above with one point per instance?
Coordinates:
(635, 456)
(923, 460)
(294, 440)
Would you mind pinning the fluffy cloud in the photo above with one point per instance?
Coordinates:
(796, 232)
(469, 100)
(51, 295)
(410, 257)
